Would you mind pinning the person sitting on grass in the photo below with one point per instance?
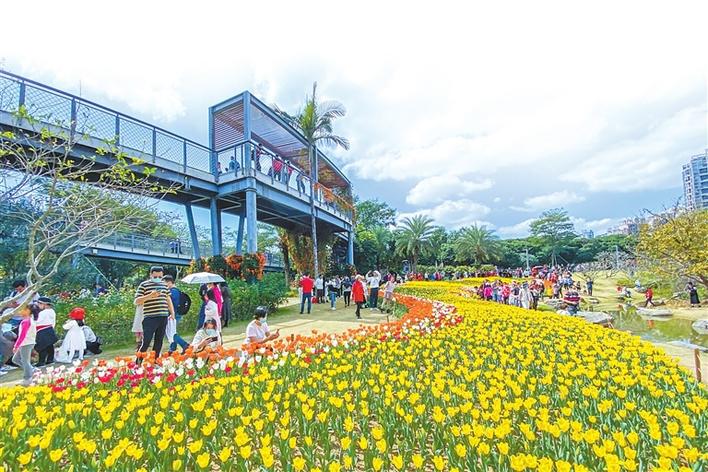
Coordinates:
(257, 331)
(207, 336)
(74, 343)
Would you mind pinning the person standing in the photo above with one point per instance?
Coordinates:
(46, 336)
(200, 317)
(306, 284)
(176, 296)
(588, 286)
(389, 287)
(319, 286)
(226, 305)
(525, 296)
(358, 294)
(333, 291)
(19, 287)
(373, 278)
(153, 295)
(211, 309)
(22, 350)
(217, 297)
(347, 290)
(300, 181)
(693, 295)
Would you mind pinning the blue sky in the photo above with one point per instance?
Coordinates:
(465, 112)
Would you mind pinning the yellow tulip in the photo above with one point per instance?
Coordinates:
(203, 460)
(56, 454)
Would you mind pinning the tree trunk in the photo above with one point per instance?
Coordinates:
(285, 249)
(313, 175)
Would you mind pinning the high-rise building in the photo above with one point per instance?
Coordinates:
(695, 182)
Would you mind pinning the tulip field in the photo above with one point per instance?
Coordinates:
(456, 384)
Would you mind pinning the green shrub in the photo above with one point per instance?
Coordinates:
(269, 292)
(111, 315)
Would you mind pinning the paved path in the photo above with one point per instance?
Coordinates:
(287, 318)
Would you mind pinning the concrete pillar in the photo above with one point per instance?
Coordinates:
(192, 231)
(350, 248)
(251, 224)
(215, 227)
(239, 234)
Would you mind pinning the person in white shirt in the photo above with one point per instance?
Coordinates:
(257, 330)
(74, 343)
(46, 336)
(373, 278)
(211, 309)
(388, 293)
(319, 287)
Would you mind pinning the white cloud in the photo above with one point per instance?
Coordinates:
(496, 199)
(597, 226)
(522, 228)
(454, 214)
(550, 200)
(650, 160)
(519, 230)
(443, 187)
(619, 113)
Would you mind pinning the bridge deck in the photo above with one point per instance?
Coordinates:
(216, 180)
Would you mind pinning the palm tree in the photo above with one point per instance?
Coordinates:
(314, 121)
(382, 236)
(413, 237)
(478, 244)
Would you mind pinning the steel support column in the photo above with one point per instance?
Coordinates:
(239, 234)
(350, 248)
(192, 231)
(215, 227)
(251, 225)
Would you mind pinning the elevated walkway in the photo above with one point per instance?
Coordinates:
(157, 251)
(255, 167)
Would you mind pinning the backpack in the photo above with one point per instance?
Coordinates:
(184, 304)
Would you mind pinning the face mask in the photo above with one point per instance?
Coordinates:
(157, 280)
(264, 319)
(210, 332)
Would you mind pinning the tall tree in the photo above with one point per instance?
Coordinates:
(74, 202)
(413, 237)
(555, 229)
(314, 120)
(372, 213)
(478, 244)
(675, 244)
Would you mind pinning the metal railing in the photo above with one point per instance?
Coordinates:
(277, 172)
(155, 145)
(147, 245)
(85, 118)
(176, 248)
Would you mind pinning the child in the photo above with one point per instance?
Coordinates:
(24, 344)
(138, 326)
(74, 343)
(93, 342)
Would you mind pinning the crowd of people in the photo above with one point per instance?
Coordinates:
(361, 289)
(32, 329)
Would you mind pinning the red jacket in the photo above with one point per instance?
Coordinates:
(307, 283)
(358, 292)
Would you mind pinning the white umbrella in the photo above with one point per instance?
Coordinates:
(202, 278)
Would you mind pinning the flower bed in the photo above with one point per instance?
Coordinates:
(484, 387)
